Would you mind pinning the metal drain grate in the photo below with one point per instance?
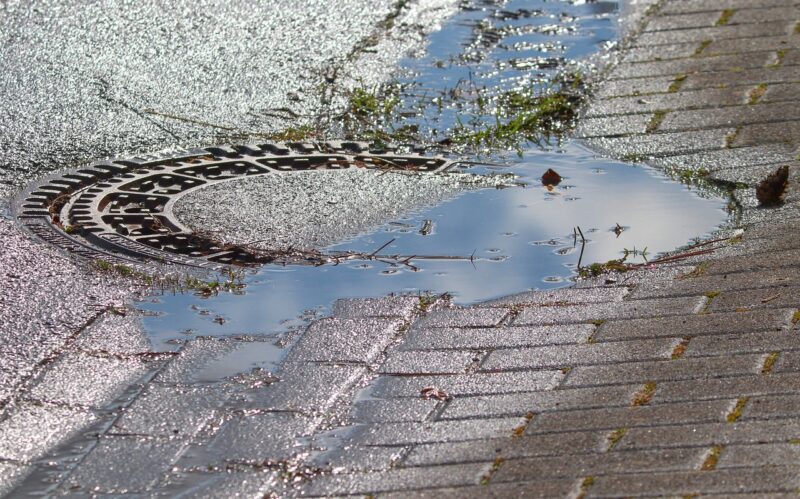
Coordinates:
(121, 210)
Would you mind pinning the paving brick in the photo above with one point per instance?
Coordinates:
(660, 52)
(785, 132)
(10, 475)
(727, 158)
(344, 340)
(682, 21)
(253, 438)
(741, 115)
(742, 343)
(358, 458)
(637, 86)
(303, 387)
(628, 309)
(663, 144)
(574, 355)
(403, 307)
(31, 430)
(193, 358)
(547, 444)
(80, 379)
(727, 388)
(124, 465)
(738, 45)
(609, 127)
(695, 325)
(782, 74)
(764, 479)
(681, 7)
(708, 434)
(170, 411)
(787, 362)
(429, 362)
(463, 317)
(599, 464)
(778, 297)
(694, 99)
(437, 431)
(393, 410)
(519, 404)
(566, 296)
(782, 406)
(614, 418)
(781, 93)
(467, 384)
(448, 338)
(778, 454)
(665, 370)
(719, 282)
(692, 65)
(544, 489)
(782, 27)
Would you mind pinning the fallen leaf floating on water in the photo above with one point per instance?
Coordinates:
(550, 178)
(431, 392)
(770, 190)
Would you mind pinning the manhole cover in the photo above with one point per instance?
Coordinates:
(122, 210)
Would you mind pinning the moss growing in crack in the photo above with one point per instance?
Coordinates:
(737, 410)
(656, 120)
(677, 83)
(645, 395)
(700, 48)
(496, 465)
(712, 458)
(725, 17)
(769, 362)
(586, 484)
(796, 317)
(780, 55)
(680, 348)
(757, 93)
(293, 134)
(614, 437)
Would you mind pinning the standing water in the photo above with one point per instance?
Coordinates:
(510, 240)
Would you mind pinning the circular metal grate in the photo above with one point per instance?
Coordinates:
(121, 210)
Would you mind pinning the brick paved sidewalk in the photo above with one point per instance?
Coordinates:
(682, 380)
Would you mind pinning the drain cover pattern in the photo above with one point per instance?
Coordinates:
(121, 210)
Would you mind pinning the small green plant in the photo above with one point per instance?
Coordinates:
(294, 134)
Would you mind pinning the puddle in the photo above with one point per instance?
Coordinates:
(512, 239)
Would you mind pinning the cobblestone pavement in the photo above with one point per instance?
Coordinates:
(678, 380)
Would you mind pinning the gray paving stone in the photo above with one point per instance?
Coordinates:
(10, 475)
(31, 430)
(681, 7)
(783, 74)
(467, 384)
(682, 21)
(392, 410)
(723, 117)
(251, 438)
(429, 362)
(224, 486)
(193, 357)
(614, 418)
(616, 126)
(544, 489)
(728, 388)
(782, 27)
(80, 379)
(170, 411)
(786, 405)
(742, 343)
(304, 387)
(696, 325)
(574, 355)
(665, 370)
(691, 65)
(764, 278)
(436, 431)
(114, 333)
(727, 158)
(344, 340)
(547, 444)
(358, 458)
(693, 99)
(463, 317)
(660, 52)
(781, 93)
(763, 479)
(638, 86)
(566, 296)
(483, 338)
(787, 362)
(708, 434)
(403, 307)
(787, 132)
(599, 464)
(520, 404)
(777, 41)
(779, 297)
(124, 465)
(405, 479)
(778, 454)
(629, 309)
(663, 144)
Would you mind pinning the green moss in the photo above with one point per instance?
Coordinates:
(677, 83)
(757, 93)
(780, 55)
(725, 17)
(712, 458)
(681, 347)
(796, 317)
(731, 137)
(737, 410)
(496, 465)
(645, 395)
(769, 362)
(293, 134)
(656, 120)
(615, 436)
(700, 48)
(586, 484)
